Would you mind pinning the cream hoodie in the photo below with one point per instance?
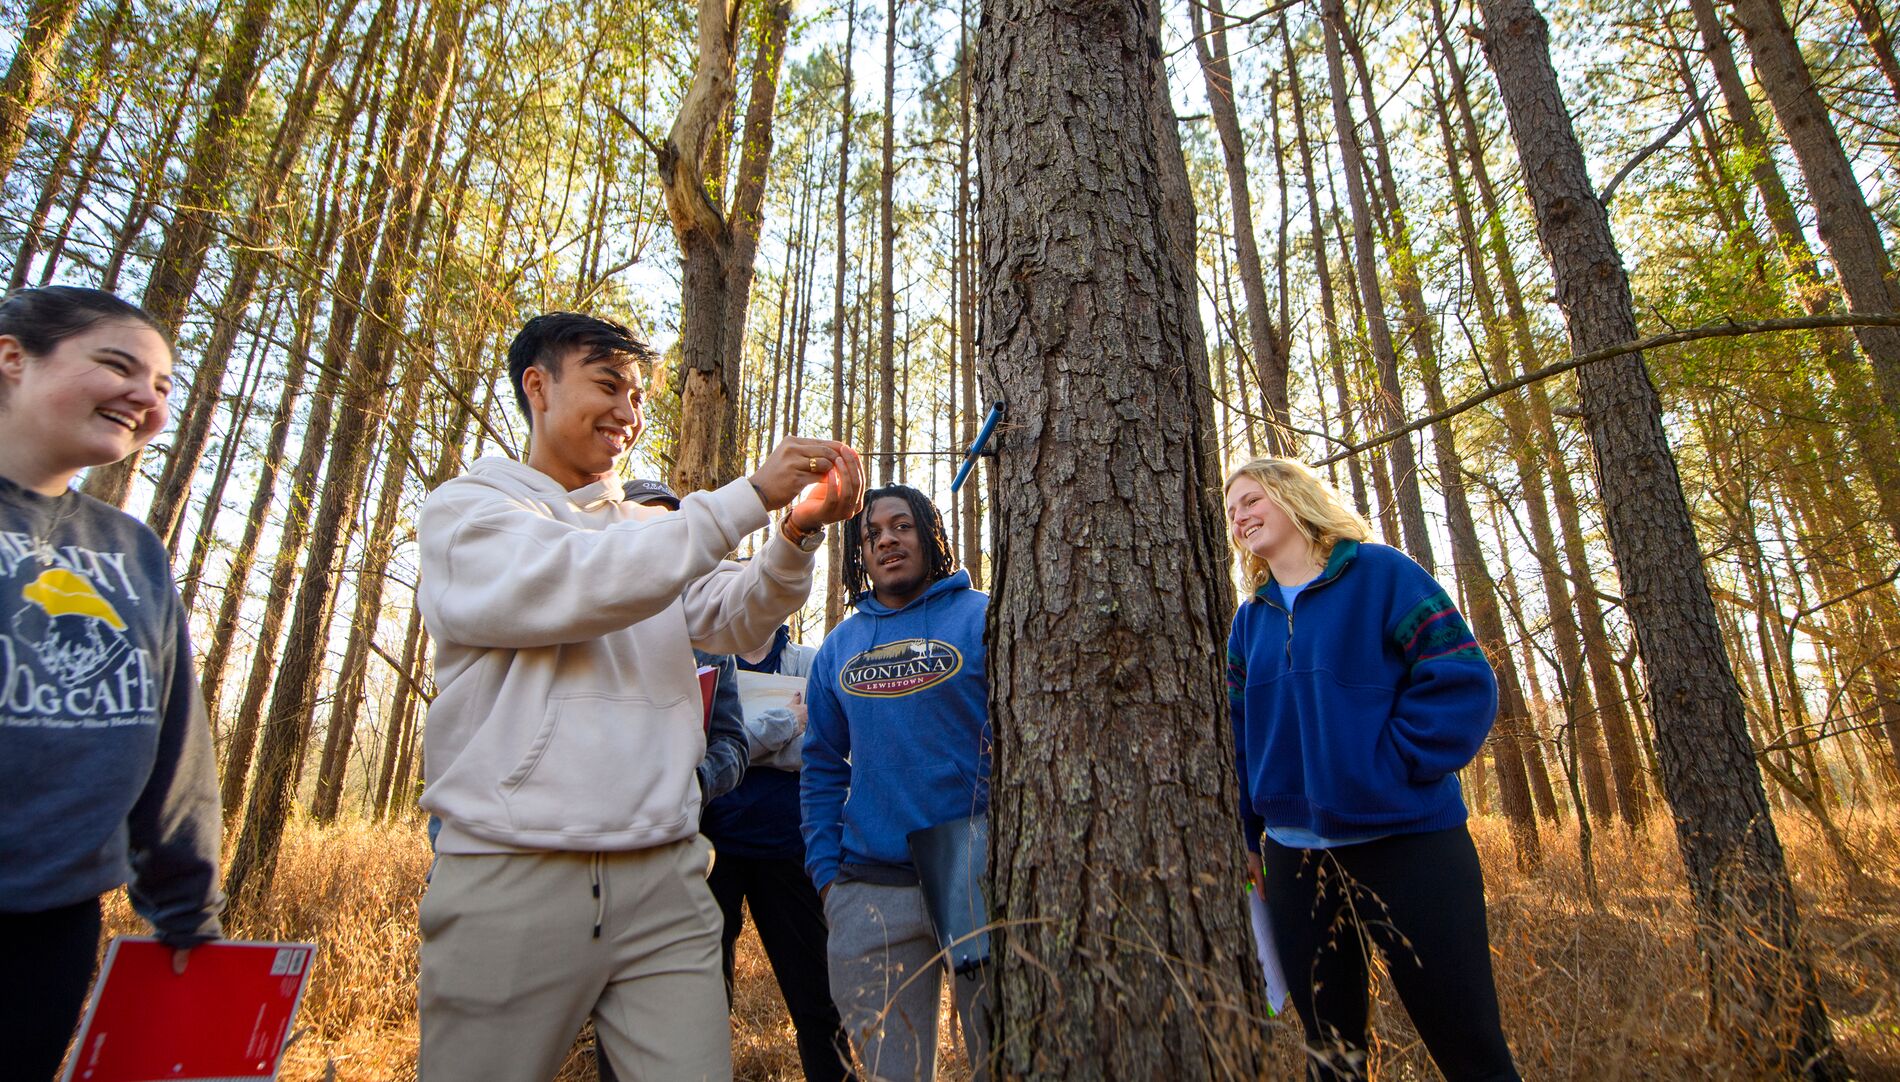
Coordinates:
(567, 714)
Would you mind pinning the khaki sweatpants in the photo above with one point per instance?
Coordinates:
(511, 966)
(886, 974)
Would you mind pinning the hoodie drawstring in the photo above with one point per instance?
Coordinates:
(600, 899)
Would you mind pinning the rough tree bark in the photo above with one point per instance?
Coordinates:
(1115, 852)
(717, 247)
(965, 264)
(1764, 992)
(1619, 728)
(887, 244)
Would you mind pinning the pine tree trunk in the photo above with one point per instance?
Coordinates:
(408, 139)
(378, 546)
(200, 206)
(95, 73)
(1879, 42)
(31, 73)
(1763, 984)
(250, 255)
(238, 417)
(717, 249)
(398, 715)
(1267, 347)
(1124, 954)
(1841, 214)
(887, 241)
(973, 406)
(326, 230)
(1322, 269)
(1390, 408)
(1613, 706)
(834, 544)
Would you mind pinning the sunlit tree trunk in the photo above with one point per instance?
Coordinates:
(717, 247)
(199, 208)
(1391, 405)
(409, 139)
(31, 73)
(250, 254)
(1620, 728)
(834, 545)
(1762, 980)
(1266, 345)
(1841, 214)
(1322, 270)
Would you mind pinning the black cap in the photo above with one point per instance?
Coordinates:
(648, 492)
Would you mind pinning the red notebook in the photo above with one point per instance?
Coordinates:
(708, 683)
(226, 1018)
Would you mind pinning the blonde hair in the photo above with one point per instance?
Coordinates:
(1314, 507)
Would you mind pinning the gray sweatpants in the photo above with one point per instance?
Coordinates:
(886, 976)
(511, 966)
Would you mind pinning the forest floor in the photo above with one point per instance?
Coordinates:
(1587, 992)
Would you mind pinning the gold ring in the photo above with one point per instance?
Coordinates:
(811, 464)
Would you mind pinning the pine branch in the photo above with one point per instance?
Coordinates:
(1689, 334)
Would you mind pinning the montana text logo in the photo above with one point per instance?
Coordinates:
(900, 668)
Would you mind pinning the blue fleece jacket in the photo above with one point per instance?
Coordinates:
(1353, 710)
(898, 735)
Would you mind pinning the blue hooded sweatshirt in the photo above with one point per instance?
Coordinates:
(1353, 710)
(898, 735)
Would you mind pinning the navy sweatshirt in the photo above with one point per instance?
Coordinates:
(1353, 710)
(898, 737)
(759, 819)
(105, 756)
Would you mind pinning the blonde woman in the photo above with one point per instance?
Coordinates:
(1357, 692)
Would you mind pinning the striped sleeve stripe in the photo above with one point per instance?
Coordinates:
(1433, 631)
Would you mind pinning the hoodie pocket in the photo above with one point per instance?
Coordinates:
(605, 764)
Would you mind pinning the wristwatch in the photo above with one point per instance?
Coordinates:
(806, 540)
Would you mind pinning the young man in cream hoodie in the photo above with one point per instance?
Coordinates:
(562, 742)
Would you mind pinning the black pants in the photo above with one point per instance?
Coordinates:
(1420, 899)
(46, 961)
(791, 922)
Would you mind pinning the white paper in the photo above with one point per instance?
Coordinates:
(761, 691)
(1269, 958)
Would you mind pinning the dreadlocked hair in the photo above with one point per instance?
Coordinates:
(940, 560)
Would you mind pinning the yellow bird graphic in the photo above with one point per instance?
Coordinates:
(67, 593)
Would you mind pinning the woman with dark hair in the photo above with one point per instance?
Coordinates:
(1357, 693)
(897, 740)
(105, 757)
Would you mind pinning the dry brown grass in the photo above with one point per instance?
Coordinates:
(1614, 993)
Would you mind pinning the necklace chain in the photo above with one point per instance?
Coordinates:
(43, 540)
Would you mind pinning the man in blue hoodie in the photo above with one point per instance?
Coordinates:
(898, 740)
